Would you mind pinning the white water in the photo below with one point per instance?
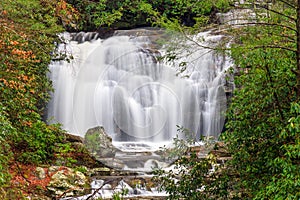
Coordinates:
(106, 191)
(115, 83)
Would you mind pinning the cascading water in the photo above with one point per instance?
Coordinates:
(118, 84)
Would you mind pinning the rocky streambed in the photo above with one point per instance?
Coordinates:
(106, 170)
(130, 166)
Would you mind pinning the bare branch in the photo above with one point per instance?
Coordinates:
(98, 189)
(295, 72)
(198, 44)
(276, 12)
(288, 3)
(288, 37)
(272, 47)
(266, 24)
(298, 48)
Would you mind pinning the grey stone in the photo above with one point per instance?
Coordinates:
(99, 143)
(65, 181)
(40, 173)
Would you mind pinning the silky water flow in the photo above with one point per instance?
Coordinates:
(118, 83)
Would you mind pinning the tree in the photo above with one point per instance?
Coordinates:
(263, 119)
(120, 14)
(265, 102)
(27, 37)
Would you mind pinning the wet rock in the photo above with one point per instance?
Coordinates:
(101, 171)
(152, 34)
(99, 143)
(113, 162)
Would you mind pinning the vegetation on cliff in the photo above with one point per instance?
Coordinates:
(120, 14)
(28, 34)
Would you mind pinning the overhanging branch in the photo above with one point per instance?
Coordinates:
(288, 3)
(276, 12)
(200, 45)
(266, 24)
(272, 47)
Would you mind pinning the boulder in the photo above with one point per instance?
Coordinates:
(40, 173)
(66, 182)
(113, 162)
(73, 138)
(99, 143)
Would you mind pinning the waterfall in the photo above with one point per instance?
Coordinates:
(118, 84)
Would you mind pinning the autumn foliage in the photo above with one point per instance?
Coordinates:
(28, 34)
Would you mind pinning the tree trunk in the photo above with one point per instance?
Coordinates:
(298, 48)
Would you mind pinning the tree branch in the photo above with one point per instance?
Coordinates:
(274, 92)
(298, 48)
(288, 3)
(266, 24)
(287, 38)
(98, 189)
(198, 44)
(295, 72)
(273, 47)
(274, 11)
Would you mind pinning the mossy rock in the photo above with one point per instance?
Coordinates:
(99, 143)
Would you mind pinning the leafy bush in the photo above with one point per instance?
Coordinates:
(191, 176)
(6, 131)
(262, 132)
(28, 33)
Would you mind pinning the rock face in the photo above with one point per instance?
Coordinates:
(99, 143)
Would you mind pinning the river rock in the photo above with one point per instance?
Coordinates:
(113, 162)
(100, 171)
(99, 143)
(40, 172)
(67, 182)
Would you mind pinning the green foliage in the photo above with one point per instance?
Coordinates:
(187, 12)
(137, 13)
(263, 119)
(260, 119)
(39, 140)
(6, 131)
(192, 177)
(285, 183)
(62, 155)
(81, 169)
(28, 34)
(121, 14)
(181, 144)
(120, 195)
